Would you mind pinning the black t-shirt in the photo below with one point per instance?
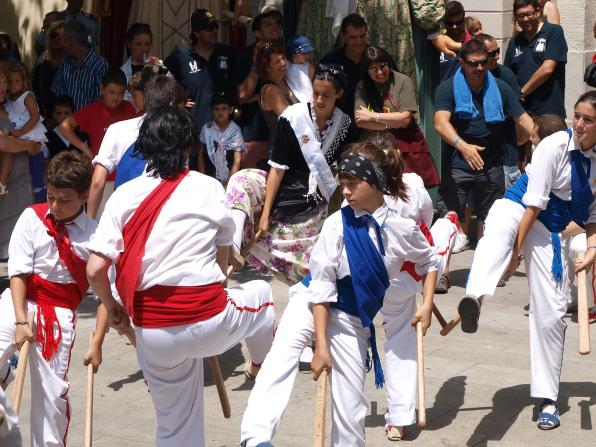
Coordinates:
(478, 131)
(291, 196)
(448, 65)
(201, 78)
(511, 154)
(525, 57)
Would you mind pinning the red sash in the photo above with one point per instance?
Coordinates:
(163, 306)
(409, 266)
(135, 234)
(48, 294)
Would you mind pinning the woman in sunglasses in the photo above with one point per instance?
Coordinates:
(46, 67)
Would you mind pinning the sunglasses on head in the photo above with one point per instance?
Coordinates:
(452, 23)
(381, 67)
(493, 53)
(475, 64)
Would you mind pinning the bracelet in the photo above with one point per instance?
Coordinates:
(591, 246)
(456, 141)
(21, 323)
(377, 117)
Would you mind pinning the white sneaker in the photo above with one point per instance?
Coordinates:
(462, 243)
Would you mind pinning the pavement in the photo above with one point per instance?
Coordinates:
(477, 386)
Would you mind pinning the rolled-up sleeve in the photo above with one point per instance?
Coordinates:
(324, 261)
(107, 156)
(20, 249)
(544, 167)
(107, 239)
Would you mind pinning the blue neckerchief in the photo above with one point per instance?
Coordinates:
(491, 99)
(362, 292)
(555, 218)
(581, 191)
(129, 167)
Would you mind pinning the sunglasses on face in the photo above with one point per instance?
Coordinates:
(382, 67)
(475, 64)
(452, 23)
(494, 53)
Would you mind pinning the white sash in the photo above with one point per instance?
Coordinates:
(218, 158)
(320, 173)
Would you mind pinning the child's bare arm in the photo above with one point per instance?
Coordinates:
(93, 354)
(18, 290)
(322, 357)
(237, 163)
(67, 128)
(33, 109)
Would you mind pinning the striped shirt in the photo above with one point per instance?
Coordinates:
(82, 83)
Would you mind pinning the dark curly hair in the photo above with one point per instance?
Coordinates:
(263, 53)
(166, 137)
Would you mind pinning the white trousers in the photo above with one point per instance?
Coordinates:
(493, 252)
(172, 359)
(398, 310)
(10, 434)
(548, 305)
(575, 246)
(50, 407)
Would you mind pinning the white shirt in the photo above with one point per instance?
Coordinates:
(218, 142)
(181, 249)
(402, 239)
(419, 206)
(118, 138)
(32, 250)
(551, 171)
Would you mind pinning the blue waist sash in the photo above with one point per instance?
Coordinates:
(555, 218)
(129, 167)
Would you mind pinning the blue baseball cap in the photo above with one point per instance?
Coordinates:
(298, 44)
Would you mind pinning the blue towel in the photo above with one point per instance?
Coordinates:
(492, 101)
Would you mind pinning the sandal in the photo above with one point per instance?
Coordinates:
(469, 312)
(443, 284)
(548, 420)
(394, 433)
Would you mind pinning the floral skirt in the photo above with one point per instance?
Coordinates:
(285, 249)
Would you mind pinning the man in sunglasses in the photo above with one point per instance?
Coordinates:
(511, 152)
(455, 26)
(471, 111)
(537, 55)
(203, 67)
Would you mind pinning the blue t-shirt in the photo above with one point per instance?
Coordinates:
(448, 65)
(525, 57)
(511, 153)
(478, 131)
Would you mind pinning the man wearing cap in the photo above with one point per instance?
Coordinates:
(203, 67)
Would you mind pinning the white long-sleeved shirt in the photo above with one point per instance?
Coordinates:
(402, 240)
(419, 206)
(181, 249)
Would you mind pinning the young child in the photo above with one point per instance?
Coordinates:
(222, 140)
(473, 25)
(46, 266)
(23, 112)
(559, 188)
(360, 250)
(300, 72)
(62, 109)
(95, 118)
(135, 91)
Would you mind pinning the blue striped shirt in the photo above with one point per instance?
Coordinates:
(82, 83)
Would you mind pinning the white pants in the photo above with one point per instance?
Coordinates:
(548, 305)
(398, 311)
(348, 342)
(10, 434)
(494, 249)
(575, 246)
(50, 407)
(172, 359)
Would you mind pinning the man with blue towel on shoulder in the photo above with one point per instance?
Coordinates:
(471, 109)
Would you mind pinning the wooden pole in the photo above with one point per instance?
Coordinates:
(221, 388)
(19, 382)
(89, 408)
(320, 410)
(583, 319)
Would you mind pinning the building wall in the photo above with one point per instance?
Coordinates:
(577, 20)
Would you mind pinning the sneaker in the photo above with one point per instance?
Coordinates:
(548, 418)
(462, 243)
(394, 433)
(251, 370)
(443, 284)
(469, 312)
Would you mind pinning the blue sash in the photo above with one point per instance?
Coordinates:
(361, 294)
(581, 190)
(129, 167)
(555, 218)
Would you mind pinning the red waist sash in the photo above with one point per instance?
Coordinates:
(164, 306)
(408, 266)
(49, 295)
